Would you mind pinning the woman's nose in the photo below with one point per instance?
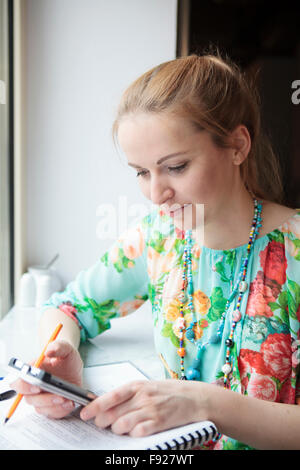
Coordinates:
(160, 192)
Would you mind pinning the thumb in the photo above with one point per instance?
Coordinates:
(58, 349)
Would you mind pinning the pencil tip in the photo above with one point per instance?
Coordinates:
(5, 421)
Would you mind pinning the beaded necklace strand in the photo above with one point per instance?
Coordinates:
(241, 286)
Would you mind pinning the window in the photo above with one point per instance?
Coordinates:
(6, 167)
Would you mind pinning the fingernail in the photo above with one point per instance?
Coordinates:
(84, 415)
(57, 400)
(68, 404)
(35, 389)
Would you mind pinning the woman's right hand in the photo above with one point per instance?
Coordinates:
(64, 361)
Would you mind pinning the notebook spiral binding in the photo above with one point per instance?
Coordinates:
(189, 441)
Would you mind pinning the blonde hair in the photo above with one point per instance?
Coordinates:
(212, 93)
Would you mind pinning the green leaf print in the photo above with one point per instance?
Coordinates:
(106, 305)
(278, 383)
(118, 266)
(296, 289)
(166, 329)
(230, 258)
(296, 242)
(104, 259)
(284, 316)
(292, 305)
(177, 246)
(288, 302)
(102, 312)
(157, 241)
(167, 332)
(142, 297)
(229, 445)
(146, 221)
(235, 445)
(293, 298)
(297, 245)
(273, 306)
(235, 370)
(151, 292)
(219, 268)
(283, 299)
(218, 303)
(174, 339)
(277, 236)
(123, 262)
(283, 303)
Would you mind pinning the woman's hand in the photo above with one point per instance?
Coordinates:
(62, 360)
(146, 407)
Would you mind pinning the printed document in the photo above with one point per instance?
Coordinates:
(27, 430)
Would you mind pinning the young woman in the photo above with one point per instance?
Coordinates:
(225, 310)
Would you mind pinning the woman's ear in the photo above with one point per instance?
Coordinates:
(241, 144)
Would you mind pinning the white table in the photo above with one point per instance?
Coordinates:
(130, 338)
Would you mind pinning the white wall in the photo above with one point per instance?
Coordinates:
(81, 55)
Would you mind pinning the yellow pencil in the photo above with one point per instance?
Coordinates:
(37, 363)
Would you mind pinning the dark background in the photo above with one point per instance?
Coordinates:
(262, 37)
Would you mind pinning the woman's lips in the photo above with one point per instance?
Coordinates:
(178, 211)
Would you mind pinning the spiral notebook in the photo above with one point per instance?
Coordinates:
(29, 431)
(182, 438)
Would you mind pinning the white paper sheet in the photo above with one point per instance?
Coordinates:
(28, 430)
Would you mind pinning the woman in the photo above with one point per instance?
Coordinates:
(225, 309)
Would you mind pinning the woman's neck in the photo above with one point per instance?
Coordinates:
(228, 225)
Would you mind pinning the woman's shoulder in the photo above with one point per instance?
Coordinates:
(275, 216)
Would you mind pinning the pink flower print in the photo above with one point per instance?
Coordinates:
(295, 353)
(273, 262)
(262, 386)
(130, 306)
(153, 263)
(172, 285)
(133, 243)
(196, 251)
(292, 225)
(277, 355)
(68, 308)
(261, 293)
(248, 362)
(287, 393)
(114, 253)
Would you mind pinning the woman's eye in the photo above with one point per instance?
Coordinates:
(141, 173)
(177, 169)
(172, 169)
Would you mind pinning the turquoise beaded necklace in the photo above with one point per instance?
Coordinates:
(241, 286)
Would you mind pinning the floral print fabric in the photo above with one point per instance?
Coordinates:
(146, 262)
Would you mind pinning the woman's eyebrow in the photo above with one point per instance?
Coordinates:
(161, 159)
(170, 156)
(133, 165)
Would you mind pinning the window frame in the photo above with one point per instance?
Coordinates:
(7, 164)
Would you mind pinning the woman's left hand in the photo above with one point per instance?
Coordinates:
(145, 407)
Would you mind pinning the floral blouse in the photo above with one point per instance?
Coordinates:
(146, 262)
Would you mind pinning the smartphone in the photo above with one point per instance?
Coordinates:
(51, 383)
